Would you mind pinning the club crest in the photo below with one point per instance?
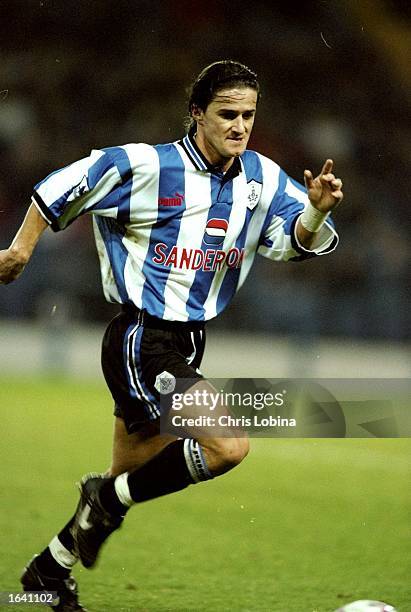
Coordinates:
(254, 193)
(165, 383)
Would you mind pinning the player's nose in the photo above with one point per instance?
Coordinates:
(238, 125)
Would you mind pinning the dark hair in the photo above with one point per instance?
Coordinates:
(215, 77)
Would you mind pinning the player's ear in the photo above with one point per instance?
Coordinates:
(196, 113)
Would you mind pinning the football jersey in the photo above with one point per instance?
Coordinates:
(176, 236)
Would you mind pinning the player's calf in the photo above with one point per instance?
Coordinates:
(223, 454)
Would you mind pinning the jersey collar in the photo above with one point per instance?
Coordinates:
(200, 162)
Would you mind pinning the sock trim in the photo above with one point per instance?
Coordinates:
(123, 491)
(195, 461)
(60, 554)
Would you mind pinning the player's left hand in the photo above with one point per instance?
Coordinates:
(324, 191)
(11, 266)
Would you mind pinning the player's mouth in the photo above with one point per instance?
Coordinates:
(236, 139)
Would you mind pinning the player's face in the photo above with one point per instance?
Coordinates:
(224, 128)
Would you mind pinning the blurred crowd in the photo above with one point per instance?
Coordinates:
(76, 76)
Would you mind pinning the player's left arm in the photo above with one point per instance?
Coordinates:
(14, 259)
(325, 194)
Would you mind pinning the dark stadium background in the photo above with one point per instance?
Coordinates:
(304, 524)
(336, 82)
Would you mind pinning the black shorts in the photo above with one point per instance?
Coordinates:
(137, 349)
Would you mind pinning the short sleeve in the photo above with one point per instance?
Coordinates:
(90, 184)
(278, 240)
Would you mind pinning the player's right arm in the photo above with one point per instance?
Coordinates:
(90, 185)
(14, 259)
(61, 197)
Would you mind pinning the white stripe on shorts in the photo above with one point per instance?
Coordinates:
(133, 372)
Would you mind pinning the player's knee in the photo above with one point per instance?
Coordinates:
(230, 452)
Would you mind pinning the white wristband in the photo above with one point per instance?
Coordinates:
(313, 219)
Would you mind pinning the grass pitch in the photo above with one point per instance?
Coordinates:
(300, 526)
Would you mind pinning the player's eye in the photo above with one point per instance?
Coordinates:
(228, 115)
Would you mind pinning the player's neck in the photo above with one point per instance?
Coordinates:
(222, 164)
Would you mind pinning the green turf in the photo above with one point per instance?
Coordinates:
(301, 525)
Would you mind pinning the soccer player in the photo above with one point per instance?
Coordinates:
(177, 227)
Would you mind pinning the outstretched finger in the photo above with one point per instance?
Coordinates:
(327, 167)
(308, 178)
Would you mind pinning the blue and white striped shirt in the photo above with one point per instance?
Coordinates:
(174, 235)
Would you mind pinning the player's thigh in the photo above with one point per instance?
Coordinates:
(131, 451)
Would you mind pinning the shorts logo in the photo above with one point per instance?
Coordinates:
(254, 193)
(177, 200)
(165, 383)
(215, 231)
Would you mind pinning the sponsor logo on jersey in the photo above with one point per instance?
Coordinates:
(176, 200)
(254, 193)
(209, 260)
(215, 231)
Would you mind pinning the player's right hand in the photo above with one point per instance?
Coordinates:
(11, 265)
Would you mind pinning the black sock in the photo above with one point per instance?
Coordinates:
(65, 536)
(110, 501)
(179, 464)
(166, 473)
(47, 564)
